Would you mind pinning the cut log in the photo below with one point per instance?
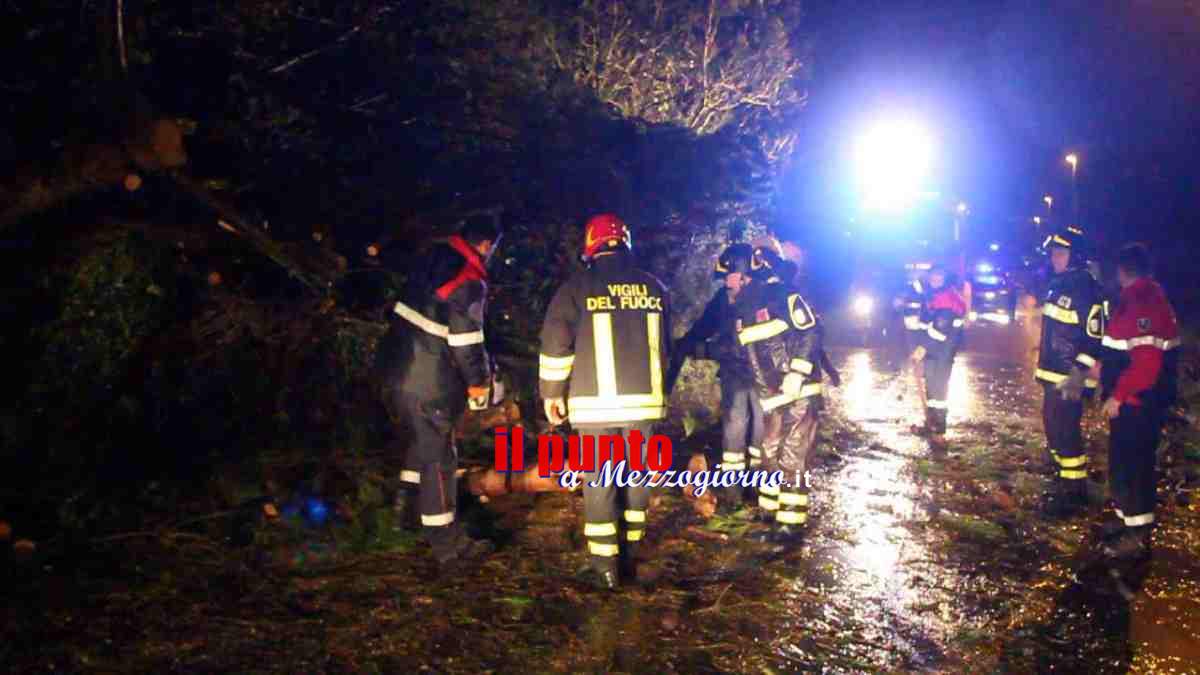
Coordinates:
(490, 483)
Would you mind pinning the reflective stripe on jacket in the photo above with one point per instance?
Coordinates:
(435, 347)
(781, 335)
(1140, 347)
(1072, 325)
(605, 344)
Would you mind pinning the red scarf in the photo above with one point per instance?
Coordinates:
(472, 271)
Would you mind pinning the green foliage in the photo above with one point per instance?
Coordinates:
(112, 299)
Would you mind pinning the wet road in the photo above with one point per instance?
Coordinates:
(933, 564)
(874, 557)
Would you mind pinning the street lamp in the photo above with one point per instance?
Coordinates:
(959, 212)
(1049, 201)
(1037, 220)
(1073, 160)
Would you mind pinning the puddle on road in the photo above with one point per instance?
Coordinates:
(887, 593)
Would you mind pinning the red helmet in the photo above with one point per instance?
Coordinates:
(605, 232)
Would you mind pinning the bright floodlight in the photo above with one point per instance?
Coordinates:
(893, 159)
(863, 305)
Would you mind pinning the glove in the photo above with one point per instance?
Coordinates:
(792, 383)
(919, 353)
(1072, 387)
(556, 410)
(477, 398)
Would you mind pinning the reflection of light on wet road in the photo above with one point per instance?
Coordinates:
(884, 582)
(962, 394)
(873, 495)
(860, 398)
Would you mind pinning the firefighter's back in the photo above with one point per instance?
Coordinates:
(621, 344)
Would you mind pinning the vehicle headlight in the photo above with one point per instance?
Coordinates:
(864, 305)
(990, 295)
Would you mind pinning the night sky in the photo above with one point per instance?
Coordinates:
(1009, 88)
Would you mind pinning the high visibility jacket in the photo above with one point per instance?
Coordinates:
(716, 328)
(944, 311)
(781, 335)
(434, 347)
(1140, 347)
(605, 344)
(1072, 325)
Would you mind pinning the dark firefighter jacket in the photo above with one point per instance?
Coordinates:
(716, 330)
(1072, 325)
(606, 344)
(780, 335)
(1140, 347)
(912, 305)
(434, 347)
(944, 311)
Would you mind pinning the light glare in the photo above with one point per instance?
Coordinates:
(893, 159)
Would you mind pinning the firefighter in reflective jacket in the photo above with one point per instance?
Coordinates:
(1138, 378)
(434, 364)
(781, 336)
(944, 311)
(1072, 325)
(714, 336)
(911, 304)
(605, 347)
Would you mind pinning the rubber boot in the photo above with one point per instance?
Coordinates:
(925, 428)
(627, 560)
(1132, 544)
(1111, 527)
(601, 574)
(458, 546)
(781, 535)
(1067, 498)
(405, 510)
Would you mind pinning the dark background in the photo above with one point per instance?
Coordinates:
(1009, 88)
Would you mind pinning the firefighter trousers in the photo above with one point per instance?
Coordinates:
(937, 393)
(612, 513)
(430, 467)
(1060, 419)
(1132, 445)
(741, 425)
(790, 434)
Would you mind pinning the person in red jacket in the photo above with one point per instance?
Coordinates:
(943, 323)
(1137, 373)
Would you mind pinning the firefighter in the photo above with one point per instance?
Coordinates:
(789, 273)
(434, 364)
(713, 336)
(780, 334)
(943, 311)
(911, 305)
(605, 347)
(1138, 379)
(1072, 325)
